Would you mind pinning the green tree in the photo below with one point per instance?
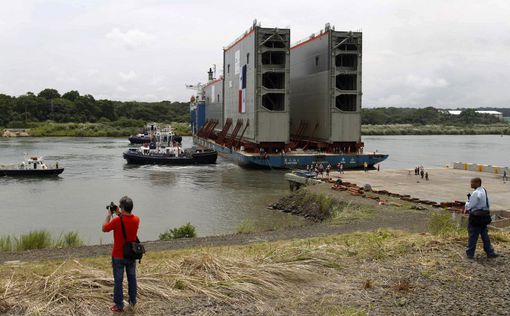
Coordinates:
(71, 95)
(49, 94)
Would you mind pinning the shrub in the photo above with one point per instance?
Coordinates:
(441, 224)
(17, 124)
(185, 231)
(7, 243)
(37, 239)
(68, 240)
(246, 226)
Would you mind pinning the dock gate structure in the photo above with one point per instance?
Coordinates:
(255, 92)
(325, 83)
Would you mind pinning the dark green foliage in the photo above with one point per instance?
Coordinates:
(423, 116)
(48, 105)
(49, 94)
(185, 231)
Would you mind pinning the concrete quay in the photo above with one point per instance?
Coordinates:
(444, 184)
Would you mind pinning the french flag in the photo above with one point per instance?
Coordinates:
(242, 90)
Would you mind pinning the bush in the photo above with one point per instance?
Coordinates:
(185, 231)
(69, 240)
(17, 124)
(441, 224)
(7, 243)
(246, 226)
(38, 239)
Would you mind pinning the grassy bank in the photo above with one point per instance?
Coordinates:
(104, 129)
(408, 129)
(377, 273)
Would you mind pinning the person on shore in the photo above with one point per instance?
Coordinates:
(341, 168)
(505, 179)
(477, 207)
(328, 169)
(131, 223)
(378, 167)
(426, 176)
(422, 174)
(365, 166)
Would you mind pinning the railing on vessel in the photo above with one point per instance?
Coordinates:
(241, 36)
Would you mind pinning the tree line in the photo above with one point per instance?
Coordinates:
(49, 105)
(423, 116)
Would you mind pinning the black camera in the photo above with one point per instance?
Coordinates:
(112, 208)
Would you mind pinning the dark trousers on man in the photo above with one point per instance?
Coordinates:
(473, 232)
(119, 265)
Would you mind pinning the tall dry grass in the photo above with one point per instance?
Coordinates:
(233, 279)
(75, 288)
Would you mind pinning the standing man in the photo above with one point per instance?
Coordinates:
(479, 217)
(365, 166)
(119, 264)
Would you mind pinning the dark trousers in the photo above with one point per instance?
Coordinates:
(119, 265)
(473, 232)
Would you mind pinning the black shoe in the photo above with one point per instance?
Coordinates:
(494, 255)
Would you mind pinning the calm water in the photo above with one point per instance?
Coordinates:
(214, 198)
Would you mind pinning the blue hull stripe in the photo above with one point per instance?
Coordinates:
(293, 161)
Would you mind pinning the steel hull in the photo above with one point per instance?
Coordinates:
(292, 161)
(31, 172)
(208, 157)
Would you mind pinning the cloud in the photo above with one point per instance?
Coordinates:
(425, 83)
(133, 38)
(127, 76)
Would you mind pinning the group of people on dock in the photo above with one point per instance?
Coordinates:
(319, 169)
(420, 171)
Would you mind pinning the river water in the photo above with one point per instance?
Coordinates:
(214, 198)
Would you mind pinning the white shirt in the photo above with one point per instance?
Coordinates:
(478, 200)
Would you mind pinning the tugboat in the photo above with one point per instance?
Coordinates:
(171, 154)
(33, 166)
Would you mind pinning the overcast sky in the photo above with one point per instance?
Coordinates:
(416, 53)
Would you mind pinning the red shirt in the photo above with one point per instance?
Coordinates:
(131, 223)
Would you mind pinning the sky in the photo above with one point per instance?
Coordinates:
(415, 53)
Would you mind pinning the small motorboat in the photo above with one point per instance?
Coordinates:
(33, 166)
(170, 155)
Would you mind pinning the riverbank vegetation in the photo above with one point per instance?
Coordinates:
(72, 107)
(423, 116)
(184, 231)
(410, 129)
(383, 272)
(431, 121)
(120, 128)
(39, 239)
(48, 113)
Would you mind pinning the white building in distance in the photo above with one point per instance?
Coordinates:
(497, 114)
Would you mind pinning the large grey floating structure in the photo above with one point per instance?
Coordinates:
(256, 86)
(285, 108)
(325, 82)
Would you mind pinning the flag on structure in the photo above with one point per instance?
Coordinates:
(242, 90)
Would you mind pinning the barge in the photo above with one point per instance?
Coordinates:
(283, 107)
